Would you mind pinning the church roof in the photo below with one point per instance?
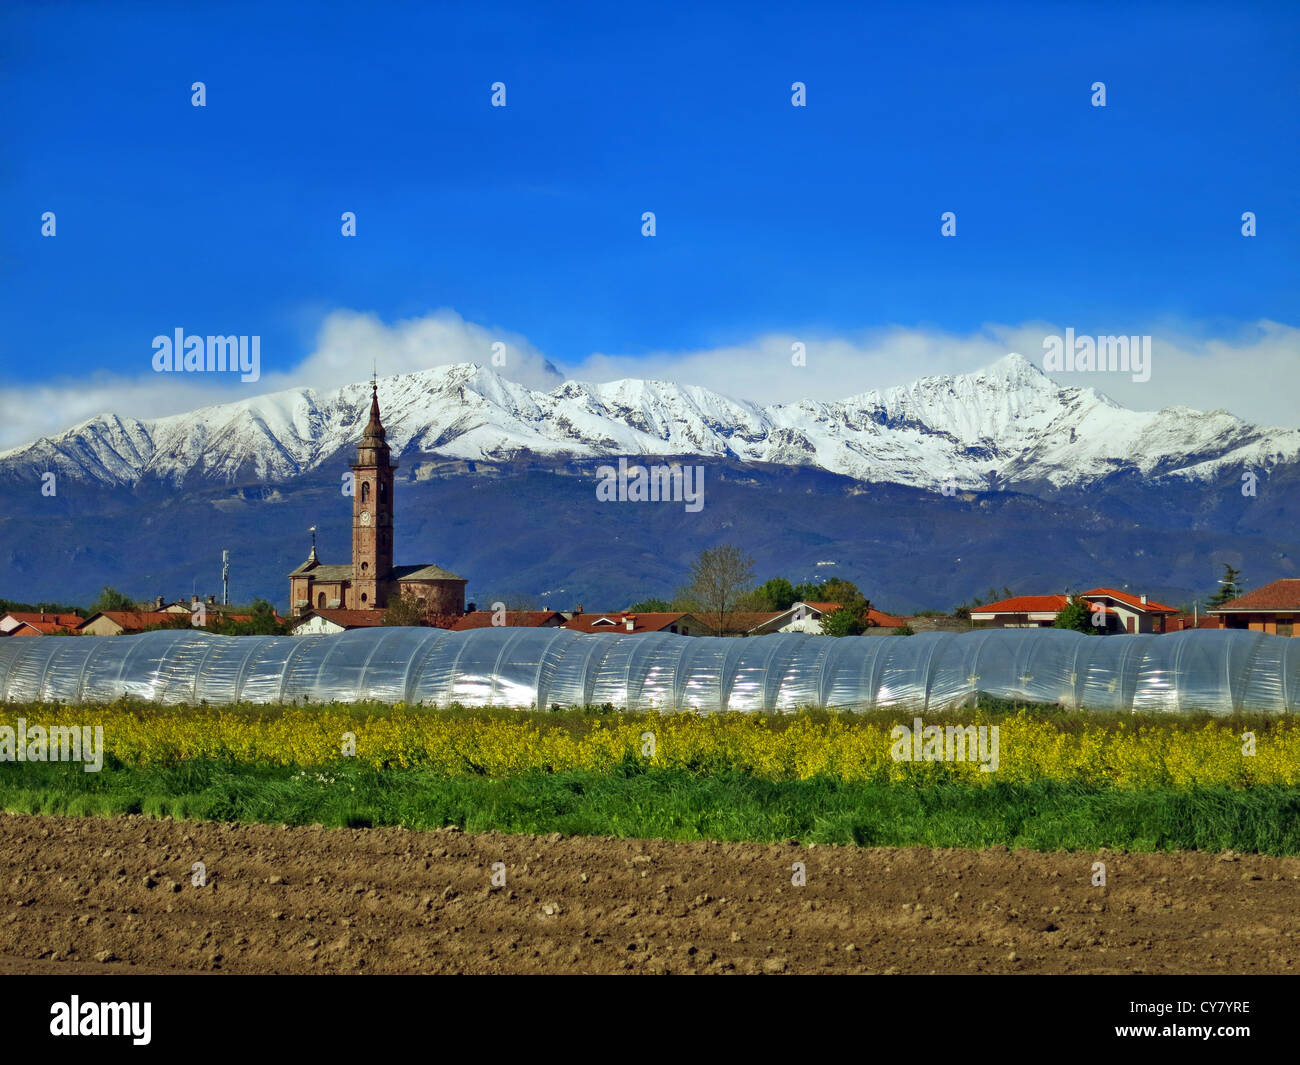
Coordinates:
(323, 573)
(430, 572)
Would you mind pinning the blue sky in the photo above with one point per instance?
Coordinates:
(773, 221)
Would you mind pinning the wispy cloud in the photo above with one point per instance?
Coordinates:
(1253, 371)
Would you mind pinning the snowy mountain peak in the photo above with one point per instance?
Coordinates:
(1008, 423)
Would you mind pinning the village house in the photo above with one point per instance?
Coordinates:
(126, 622)
(176, 616)
(530, 619)
(38, 623)
(332, 622)
(1183, 622)
(371, 580)
(1021, 611)
(1130, 613)
(624, 622)
(1120, 611)
(807, 617)
(1274, 608)
(192, 604)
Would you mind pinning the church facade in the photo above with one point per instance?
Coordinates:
(371, 582)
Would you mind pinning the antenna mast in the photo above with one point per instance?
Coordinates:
(225, 578)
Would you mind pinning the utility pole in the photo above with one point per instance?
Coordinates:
(225, 578)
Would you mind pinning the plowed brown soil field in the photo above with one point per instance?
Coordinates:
(100, 895)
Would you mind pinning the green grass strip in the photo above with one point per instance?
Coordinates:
(674, 804)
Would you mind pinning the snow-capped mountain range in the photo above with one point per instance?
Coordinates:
(1009, 420)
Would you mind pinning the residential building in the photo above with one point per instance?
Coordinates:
(807, 617)
(1273, 608)
(624, 622)
(124, 622)
(1183, 622)
(1119, 610)
(1021, 611)
(1128, 613)
(332, 622)
(38, 623)
(485, 619)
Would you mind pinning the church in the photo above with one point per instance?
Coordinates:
(371, 582)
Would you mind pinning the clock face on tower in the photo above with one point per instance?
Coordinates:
(365, 517)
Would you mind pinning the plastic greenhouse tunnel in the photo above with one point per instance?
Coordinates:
(1215, 671)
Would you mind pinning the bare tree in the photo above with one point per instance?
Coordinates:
(405, 609)
(720, 579)
(409, 609)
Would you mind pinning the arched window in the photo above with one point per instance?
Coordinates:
(320, 601)
(365, 491)
(364, 597)
(365, 566)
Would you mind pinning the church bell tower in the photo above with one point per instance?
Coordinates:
(372, 515)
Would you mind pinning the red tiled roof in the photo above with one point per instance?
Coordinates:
(139, 619)
(648, 622)
(482, 619)
(748, 620)
(1134, 601)
(1279, 595)
(36, 628)
(349, 619)
(36, 617)
(885, 620)
(1180, 622)
(1023, 604)
(42, 628)
(877, 617)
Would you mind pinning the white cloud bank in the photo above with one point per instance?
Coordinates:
(1253, 372)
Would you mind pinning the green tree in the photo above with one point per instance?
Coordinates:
(261, 621)
(845, 621)
(1229, 588)
(650, 606)
(111, 599)
(1077, 615)
(264, 621)
(7, 605)
(836, 590)
(776, 594)
(833, 590)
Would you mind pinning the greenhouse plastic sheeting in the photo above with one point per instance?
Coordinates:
(1219, 671)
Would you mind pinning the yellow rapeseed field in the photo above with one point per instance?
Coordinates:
(1140, 754)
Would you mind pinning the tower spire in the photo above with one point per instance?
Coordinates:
(375, 427)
